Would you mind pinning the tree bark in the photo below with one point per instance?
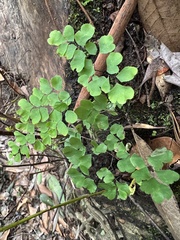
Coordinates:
(25, 27)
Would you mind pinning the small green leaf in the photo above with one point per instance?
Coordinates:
(45, 86)
(39, 178)
(47, 200)
(35, 115)
(92, 117)
(68, 33)
(39, 146)
(85, 3)
(127, 74)
(46, 140)
(91, 48)
(44, 114)
(71, 48)
(159, 157)
(125, 165)
(141, 174)
(106, 44)
(100, 102)
(158, 191)
(88, 69)
(110, 190)
(24, 150)
(55, 116)
(70, 152)
(121, 151)
(112, 62)
(30, 138)
(62, 128)
(44, 100)
(61, 50)
(35, 101)
(25, 105)
(83, 80)
(94, 87)
(55, 38)
(118, 130)
(101, 148)
(77, 177)
(84, 110)
(53, 99)
(90, 185)
(85, 161)
(162, 194)
(17, 157)
(20, 138)
(167, 176)
(123, 190)
(110, 141)
(30, 128)
(21, 126)
(43, 126)
(84, 34)
(137, 161)
(114, 128)
(14, 147)
(37, 92)
(60, 106)
(70, 116)
(78, 61)
(105, 175)
(65, 97)
(25, 115)
(76, 143)
(52, 133)
(120, 94)
(105, 84)
(57, 82)
(102, 121)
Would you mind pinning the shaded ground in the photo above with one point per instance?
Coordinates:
(97, 218)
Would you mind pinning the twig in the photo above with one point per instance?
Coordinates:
(50, 13)
(71, 201)
(85, 12)
(116, 32)
(137, 51)
(152, 89)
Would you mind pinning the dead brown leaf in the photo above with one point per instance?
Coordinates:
(162, 86)
(162, 20)
(44, 189)
(5, 235)
(173, 61)
(45, 216)
(142, 126)
(21, 203)
(32, 210)
(1, 78)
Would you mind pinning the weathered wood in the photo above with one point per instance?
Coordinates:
(24, 30)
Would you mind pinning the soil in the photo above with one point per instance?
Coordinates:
(99, 218)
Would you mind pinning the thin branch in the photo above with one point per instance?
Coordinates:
(85, 12)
